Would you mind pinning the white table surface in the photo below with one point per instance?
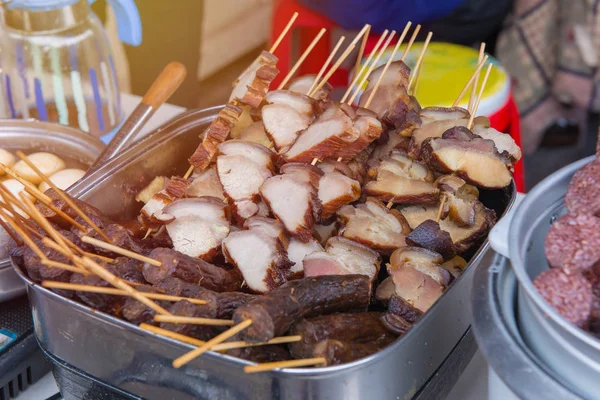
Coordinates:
(473, 384)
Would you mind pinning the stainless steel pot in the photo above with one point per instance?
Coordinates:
(570, 356)
(126, 357)
(64, 141)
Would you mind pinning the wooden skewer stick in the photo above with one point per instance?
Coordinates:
(92, 255)
(66, 267)
(390, 203)
(441, 209)
(171, 334)
(334, 68)
(119, 283)
(473, 96)
(176, 319)
(419, 60)
(410, 42)
(184, 359)
(470, 82)
(13, 235)
(28, 241)
(306, 362)
(188, 172)
(480, 95)
(387, 64)
(22, 180)
(56, 210)
(116, 292)
(301, 59)
(119, 250)
(365, 65)
(283, 33)
(63, 196)
(50, 244)
(11, 202)
(361, 51)
(326, 64)
(371, 67)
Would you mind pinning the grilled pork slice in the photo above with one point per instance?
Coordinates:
(157, 184)
(464, 237)
(285, 115)
(396, 75)
(297, 251)
(270, 227)
(338, 132)
(335, 191)
(242, 168)
(373, 225)
(504, 143)
(436, 121)
(199, 226)
(402, 181)
(342, 257)
(253, 84)
(215, 134)
(293, 202)
(259, 257)
(475, 160)
(152, 212)
(418, 277)
(255, 132)
(303, 84)
(205, 183)
(324, 232)
(460, 199)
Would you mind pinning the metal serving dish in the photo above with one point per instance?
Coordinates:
(69, 143)
(126, 357)
(563, 353)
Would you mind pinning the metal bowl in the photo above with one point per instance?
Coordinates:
(29, 135)
(570, 355)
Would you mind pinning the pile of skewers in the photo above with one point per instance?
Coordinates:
(271, 245)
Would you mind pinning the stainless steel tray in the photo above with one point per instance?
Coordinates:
(112, 349)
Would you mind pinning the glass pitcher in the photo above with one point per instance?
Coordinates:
(57, 63)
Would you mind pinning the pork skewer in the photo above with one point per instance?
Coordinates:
(301, 59)
(326, 64)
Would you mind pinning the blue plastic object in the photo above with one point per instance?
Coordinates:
(129, 23)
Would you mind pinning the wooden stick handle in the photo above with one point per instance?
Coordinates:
(163, 87)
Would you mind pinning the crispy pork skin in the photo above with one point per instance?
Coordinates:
(273, 313)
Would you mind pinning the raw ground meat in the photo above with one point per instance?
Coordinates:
(583, 193)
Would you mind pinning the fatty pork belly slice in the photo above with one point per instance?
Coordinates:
(285, 115)
(396, 75)
(199, 226)
(242, 168)
(373, 225)
(436, 121)
(368, 129)
(270, 227)
(418, 276)
(476, 161)
(293, 203)
(335, 191)
(297, 251)
(402, 181)
(303, 84)
(215, 134)
(205, 183)
(253, 84)
(152, 212)
(504, 143)
(259, 257)
(343, 257)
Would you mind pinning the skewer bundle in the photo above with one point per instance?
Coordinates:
(287, 225)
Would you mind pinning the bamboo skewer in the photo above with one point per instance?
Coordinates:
(62, 195)
(176, 319)
(66, 267)
(326, 64)
(119, 250)
(184, 359)
(387, 64)
(365, 65)
(441, 209)
(119, 283)
(56, 210)
(361, 51)
(188, 172)
(410, 42)
(472, 96)
(334, 68)
(283, 33)
(479, 96)
(13, 235)
(28, 241)
(470, 81)
(301, 59)
(22, 180)
(372, 67)
(171, 334)
(419, 60)
(116, 292)
(306, 362)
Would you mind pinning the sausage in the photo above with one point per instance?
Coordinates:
(59, 203)
(191, 270)
(583, 193)
(570, 295)
(184, 308)
(362, 327)
(262, 354)
(273, 313)
(573, 243)
(339, 352)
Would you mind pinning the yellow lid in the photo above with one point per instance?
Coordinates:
(446, 70)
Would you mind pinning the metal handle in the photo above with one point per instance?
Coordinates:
(499, 234)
